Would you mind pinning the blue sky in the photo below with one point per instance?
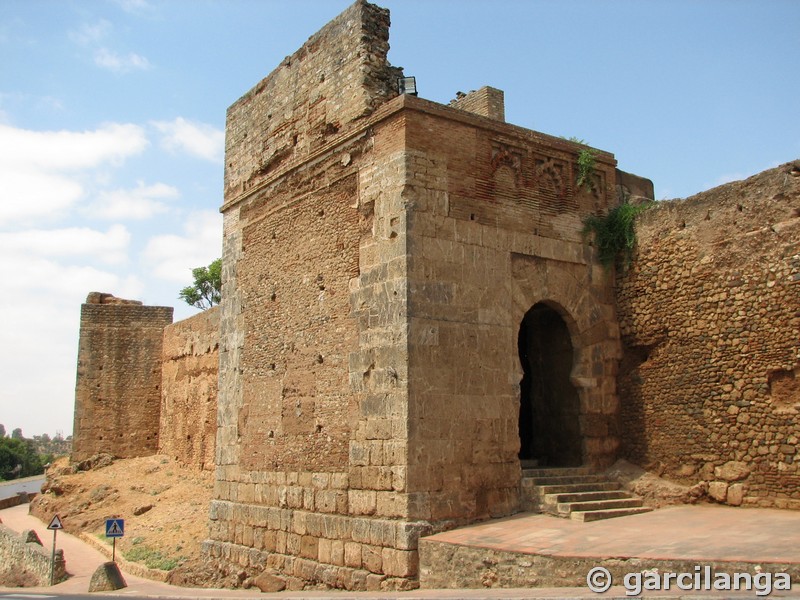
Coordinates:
(112, 125)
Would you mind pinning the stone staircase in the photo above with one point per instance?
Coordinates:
(577, 493)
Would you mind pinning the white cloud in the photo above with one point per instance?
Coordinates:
(108, 247)
(39, 337)
(172, 257)
(29, 193)
(108, 59)
(135, 6)
(41, 171)
(91, 33)
(198, 139)
(142, 202)
(65, 150)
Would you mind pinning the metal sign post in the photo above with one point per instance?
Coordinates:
(55, 525)
(115, 528)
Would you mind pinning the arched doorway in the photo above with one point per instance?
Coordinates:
(549, 425)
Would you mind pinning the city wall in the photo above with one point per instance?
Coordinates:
(189, 381)
(118, 383)
(710, 314)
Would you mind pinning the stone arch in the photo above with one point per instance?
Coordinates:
(549, 424)
(588, 314)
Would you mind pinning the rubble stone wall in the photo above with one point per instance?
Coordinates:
(22, 556)
(118, 384)
(189, 381)
(710, 315)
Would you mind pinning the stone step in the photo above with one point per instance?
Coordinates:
(554, 499)
(597, 515)
(566, 508)
(554, 472)
(565, 479)
(568, 488)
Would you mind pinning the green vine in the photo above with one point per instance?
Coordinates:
(614, 233)
(586, 162)
(587, 159)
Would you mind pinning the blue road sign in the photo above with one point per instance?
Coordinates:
(115, 528)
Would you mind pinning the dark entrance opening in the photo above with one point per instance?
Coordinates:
(549, 426)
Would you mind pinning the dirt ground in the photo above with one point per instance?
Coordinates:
(164, 504)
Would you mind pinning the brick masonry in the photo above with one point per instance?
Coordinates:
(377, 267)
(709, 319)
(118, 383)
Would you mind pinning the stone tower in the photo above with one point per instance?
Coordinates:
(403, 280)
(118, 383)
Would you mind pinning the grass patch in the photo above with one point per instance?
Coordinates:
(151, 558)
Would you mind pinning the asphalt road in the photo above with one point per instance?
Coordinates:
(11, 488)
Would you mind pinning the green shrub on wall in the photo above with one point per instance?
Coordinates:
(614, 233)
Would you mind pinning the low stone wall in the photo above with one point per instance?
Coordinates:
(23, 556)
(21, 498)
(448, 566)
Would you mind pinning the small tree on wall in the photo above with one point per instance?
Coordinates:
(206, 291)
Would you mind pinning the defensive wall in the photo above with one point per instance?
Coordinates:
(710, 319)
(189, 379)
(410, 308)
(118, 382)
(145, 385)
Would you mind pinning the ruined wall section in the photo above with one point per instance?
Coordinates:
(118, 384)
(494, 227)
(189, 375)
(709, 318)
(339, 76)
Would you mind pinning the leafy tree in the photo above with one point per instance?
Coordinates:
(2, 430)
(206, 291)
(19, 458)
(17, 434)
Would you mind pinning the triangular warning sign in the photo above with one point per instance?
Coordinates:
(114, 529)
(55, 523)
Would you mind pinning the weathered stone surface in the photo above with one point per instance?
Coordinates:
(268, 582)
(140, 510)
(733, 471)
(118, 379)
(30, 536)
(718, 490)
(107, 578)
(709, 322)
(189, 381)
(735, 494)
(27, 562)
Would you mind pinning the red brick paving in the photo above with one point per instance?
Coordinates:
(702, 532)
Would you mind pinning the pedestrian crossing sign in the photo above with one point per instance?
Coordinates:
(115, 528)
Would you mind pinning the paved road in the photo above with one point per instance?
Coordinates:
(8, 489)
